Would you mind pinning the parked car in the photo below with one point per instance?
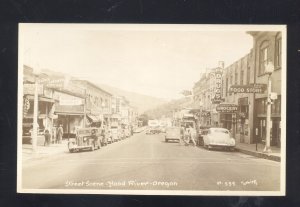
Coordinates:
(115, 133)
(218, 137)
(86, 139)
(127, 131)
(172, 133)
(201, 133)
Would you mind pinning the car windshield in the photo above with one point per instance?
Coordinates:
(223, 131)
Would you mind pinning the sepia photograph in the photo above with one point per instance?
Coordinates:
(152, 109)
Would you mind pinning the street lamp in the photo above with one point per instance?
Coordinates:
(269, 68)
(36, 72)
(102, 107)
(201, 106)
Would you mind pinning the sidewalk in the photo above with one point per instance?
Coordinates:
(250, 149)
(43, 151)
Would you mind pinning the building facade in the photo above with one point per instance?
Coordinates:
(248, 122)
(98, 103)
(267, 47)
(207, 94)
(240, 73)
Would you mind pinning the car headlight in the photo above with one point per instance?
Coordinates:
(232, 142)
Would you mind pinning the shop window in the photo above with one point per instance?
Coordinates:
(276, 106)
(263, 57)
(261, 105)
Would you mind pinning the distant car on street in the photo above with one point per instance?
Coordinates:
(172, 133)
(153, 130)
(218, 137)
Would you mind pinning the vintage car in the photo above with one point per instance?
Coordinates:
(172, 133)
(153, 130)
(86, 139)
(201, 133)
(127, 131)
(115, 133)
(218, 137)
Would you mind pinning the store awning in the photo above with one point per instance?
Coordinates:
(44, 99)
(93, 118)
(30, 116)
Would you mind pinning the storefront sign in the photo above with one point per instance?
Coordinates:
(251, 88)
(65, 99)
(218, 78)
(26, 105)
(52, 83)
(29, 89)
(227, 108)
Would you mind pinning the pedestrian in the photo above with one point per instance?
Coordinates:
(54, 133)
(47, 138)
(187, 136)
(193, 135)
(182, 131)
(60, 133)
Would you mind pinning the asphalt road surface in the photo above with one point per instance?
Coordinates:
(147, 162)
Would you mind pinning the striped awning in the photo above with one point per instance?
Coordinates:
(94, 118)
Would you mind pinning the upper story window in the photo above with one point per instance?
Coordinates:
(278, 51)
(242, 77)
(248, 75)
(236, 78)
(263, 57)
(227, 87)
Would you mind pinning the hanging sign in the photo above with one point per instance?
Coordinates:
(227, 108)
(65, 99)
(29, 89)
(218, 78)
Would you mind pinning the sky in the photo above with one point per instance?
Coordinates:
(155, 60)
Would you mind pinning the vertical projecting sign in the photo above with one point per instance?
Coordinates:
(218, 80)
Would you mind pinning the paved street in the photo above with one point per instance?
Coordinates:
(145, 162)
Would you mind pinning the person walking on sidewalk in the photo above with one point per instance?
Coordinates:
(187, 136)
(47, 138)
(54, 135)
(60, 133)
(193, 135)
(182, 130)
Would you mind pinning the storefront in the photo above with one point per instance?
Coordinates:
(243, 127)
(228, 117)
(44, 112)
(260, 120)
(70, 110)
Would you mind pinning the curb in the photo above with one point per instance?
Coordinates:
(259, 154)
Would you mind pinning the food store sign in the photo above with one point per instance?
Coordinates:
(251, 88)
(227, 108)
